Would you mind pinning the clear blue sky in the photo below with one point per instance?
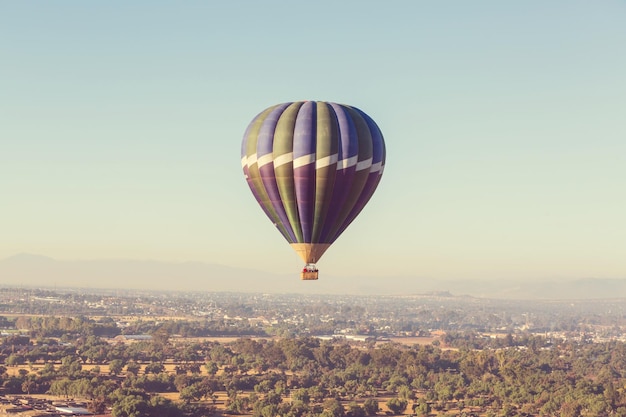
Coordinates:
(505, 124)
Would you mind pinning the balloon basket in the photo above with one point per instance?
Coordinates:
(309, 272)
(308, 275)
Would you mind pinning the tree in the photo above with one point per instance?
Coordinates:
(237, 405)
(181, 381)
(406, 393)
(270, 410)
(28, 385)
(97, 405)
(130, 406)
(190, 393)
(160, 337)
(211, 367)
(154, 368)
(316, 393)
(116, 366)
(133, 367)
(14, 360)
(371, 407)
(397, 405)
(12, 385)
(60, 387)
(355, 410)
(70, 365)
(264, 386)
(422, 408)
(301, 394)
(334, 408)
(48, 370)
(273, 397)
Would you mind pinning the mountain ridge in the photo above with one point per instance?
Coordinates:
(34, 270)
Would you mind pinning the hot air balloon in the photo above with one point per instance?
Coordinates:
(312, 167)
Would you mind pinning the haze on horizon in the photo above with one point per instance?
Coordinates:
(120, 128)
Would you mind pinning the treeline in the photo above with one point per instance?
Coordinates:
(51, 326)
(196, 328)
(526, 375)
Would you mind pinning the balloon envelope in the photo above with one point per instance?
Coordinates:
(312, 167)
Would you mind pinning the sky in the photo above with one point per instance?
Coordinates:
(121, 125)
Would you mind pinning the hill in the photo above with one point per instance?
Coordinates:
(41, 271)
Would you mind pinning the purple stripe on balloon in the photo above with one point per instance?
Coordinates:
(305, 131)
(304, 143)
(348, 147)
(305, 196)
(348, 140)
(368, 190)
(378, 156)
(378, 143)
(343, 182)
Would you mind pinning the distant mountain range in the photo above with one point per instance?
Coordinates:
(28, 270)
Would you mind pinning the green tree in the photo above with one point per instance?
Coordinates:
(371, 407)
(70, 365)
(163, 407)
(133, 367)
(422, 408)
(211, 367)
(116, 366)
(237, 405)
(334, 407)
(130, 406)
(160, 337)
(406, 393)
(14, 360)
(269, 410)
(61, 387)
(301, 394)
(48, 371)
(397, 405)
(28, 385)
(355, 410)
(97, 405)
(191, 392)
(154, 368)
